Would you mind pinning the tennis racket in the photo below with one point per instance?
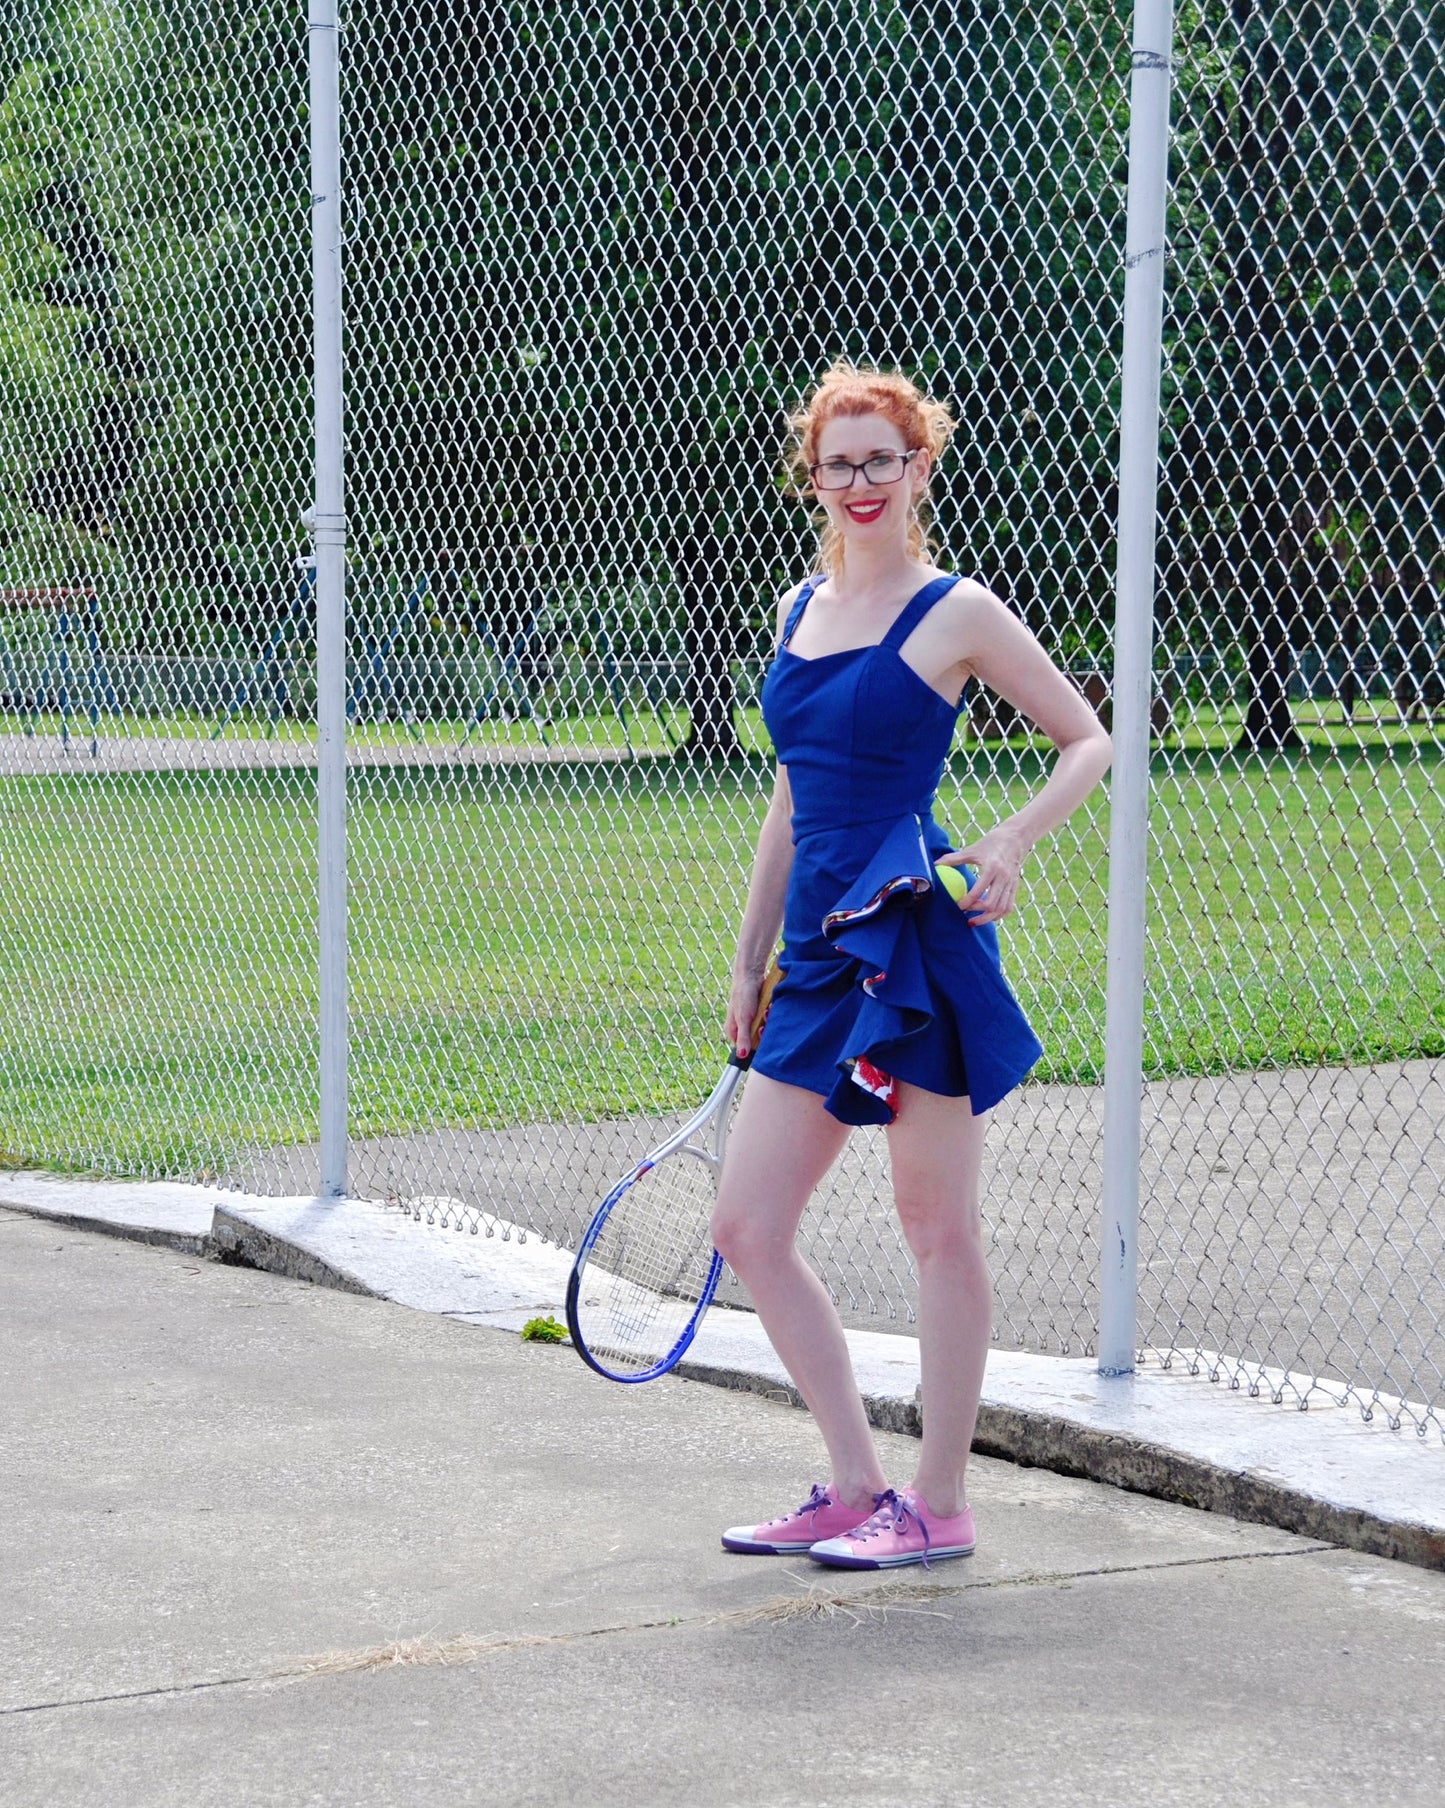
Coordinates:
(647, 1270)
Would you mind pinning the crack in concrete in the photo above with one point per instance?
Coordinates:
(163, 1689)
(893, 1595)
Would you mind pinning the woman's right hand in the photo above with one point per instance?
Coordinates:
(743, 999)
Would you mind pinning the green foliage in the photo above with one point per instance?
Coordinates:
(661, 222)
(594, 253)
(1307, 362)
(154, 305)
(544, 1330)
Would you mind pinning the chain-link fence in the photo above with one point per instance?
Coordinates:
(1296, 1153)
(592, 253)
(157, 939)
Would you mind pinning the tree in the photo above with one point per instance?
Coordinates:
(1309, 341)
(593, 254)
(154, 404)
(605, 250)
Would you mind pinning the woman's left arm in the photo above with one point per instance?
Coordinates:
(1000, 652)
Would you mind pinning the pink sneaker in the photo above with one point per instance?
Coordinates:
(901, 1531)
(822, 1515)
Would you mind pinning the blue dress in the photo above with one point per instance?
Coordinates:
(885, 978)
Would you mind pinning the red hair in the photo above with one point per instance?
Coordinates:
(848, 390)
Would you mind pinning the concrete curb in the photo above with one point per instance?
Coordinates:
(234, 1239)
(1307, 1493)
(199, 1244)
(1035, 1440)
(1324, 1473)
(164, 1213)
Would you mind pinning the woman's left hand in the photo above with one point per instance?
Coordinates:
(997, 859)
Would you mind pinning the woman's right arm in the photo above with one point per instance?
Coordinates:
(763, 914)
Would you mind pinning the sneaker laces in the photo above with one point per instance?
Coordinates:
(816, 1500)
(892, 1515)
(820, 1498)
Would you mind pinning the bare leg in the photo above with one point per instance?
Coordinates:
(936, 1148)
(781, 1146)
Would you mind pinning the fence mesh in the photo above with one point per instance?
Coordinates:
(157, 939)
(594, 252)
(1296, 1161)
(599, 254)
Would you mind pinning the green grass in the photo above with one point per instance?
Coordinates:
(534, 942)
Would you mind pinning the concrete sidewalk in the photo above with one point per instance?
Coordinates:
(47, 755)
(273, 1543)
(1326, 1474)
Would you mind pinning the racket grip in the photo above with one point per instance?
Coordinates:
(765, 1004)
(765, 997)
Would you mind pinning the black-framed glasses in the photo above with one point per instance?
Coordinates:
(878, 467)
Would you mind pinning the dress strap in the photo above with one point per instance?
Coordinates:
(795, 614)
(915, 609)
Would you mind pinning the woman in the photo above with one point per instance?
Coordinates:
(893, 1008)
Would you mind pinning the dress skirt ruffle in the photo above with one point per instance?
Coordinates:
(896, 984)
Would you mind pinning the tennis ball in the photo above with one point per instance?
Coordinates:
(954, 881)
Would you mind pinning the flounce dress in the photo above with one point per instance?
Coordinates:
(885, 978)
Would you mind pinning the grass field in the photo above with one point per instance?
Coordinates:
(536, 942)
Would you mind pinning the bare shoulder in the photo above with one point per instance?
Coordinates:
(961, 614)
(977, 615)
(996, 646)
(972, 597)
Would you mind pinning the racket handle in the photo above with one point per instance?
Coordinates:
(765, 1004)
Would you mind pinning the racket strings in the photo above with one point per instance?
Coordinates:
(649, 1266)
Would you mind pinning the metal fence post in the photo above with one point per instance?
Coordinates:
(1133, 641)
(330, 531)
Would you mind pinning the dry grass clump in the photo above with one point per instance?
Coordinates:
(812, 1604)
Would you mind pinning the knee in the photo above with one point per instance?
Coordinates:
(742, 1239)
(727, 1232)
(941, 1229)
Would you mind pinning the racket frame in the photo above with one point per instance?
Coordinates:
(682, 1142)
